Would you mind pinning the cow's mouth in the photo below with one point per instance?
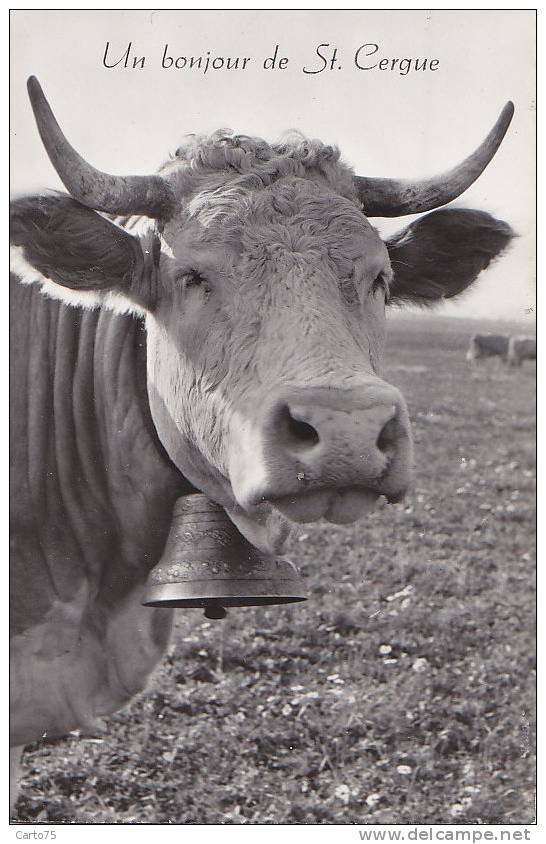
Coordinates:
(339, 506)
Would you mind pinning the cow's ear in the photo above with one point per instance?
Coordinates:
(78, 256)
(440, 255)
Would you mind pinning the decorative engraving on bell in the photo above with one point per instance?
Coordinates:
(207, 563)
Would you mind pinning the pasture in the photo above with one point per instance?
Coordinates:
(401, 692)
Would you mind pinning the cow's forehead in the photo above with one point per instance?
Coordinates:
(299, 214)
(225, 178)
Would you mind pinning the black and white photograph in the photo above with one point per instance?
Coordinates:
(273, 419)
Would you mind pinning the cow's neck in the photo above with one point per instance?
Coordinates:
(142, 482)
(98, 491)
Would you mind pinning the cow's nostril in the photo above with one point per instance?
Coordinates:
(297, 432)
(302, 431)
(387, 439)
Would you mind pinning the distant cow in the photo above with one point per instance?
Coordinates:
(488, 346)
(520, 349)
(233, 346)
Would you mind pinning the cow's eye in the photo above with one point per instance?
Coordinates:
(191, 278)
(380, 284)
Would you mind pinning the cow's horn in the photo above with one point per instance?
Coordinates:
(396, 197)
(149, 195)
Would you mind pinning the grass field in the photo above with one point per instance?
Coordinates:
(401, 692)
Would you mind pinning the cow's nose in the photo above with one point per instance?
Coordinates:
(340, 440)
(302, 428)
(330, 440)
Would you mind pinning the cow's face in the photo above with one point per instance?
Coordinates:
(264, 289)
(264, 354)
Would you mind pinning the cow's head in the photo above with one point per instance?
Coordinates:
(264, 288)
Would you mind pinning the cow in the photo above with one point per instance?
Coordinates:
(487, 346)
(521, 348)
(217, 327)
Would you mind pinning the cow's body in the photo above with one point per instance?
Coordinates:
(487, 346)
(521, 348)
(235, 349)
(92, 494)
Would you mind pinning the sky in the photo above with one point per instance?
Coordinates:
(127, 119)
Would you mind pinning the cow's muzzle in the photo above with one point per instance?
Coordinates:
(324, 452)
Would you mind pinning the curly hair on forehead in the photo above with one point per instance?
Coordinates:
(201, 162)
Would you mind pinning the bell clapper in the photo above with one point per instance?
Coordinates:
(215, 611)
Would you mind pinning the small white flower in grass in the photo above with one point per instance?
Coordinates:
(420, 664)
(385, 649)
(407, 590)
(405, 770)
(373, 799)
(343, 793)
(286, 710)
(456, 809)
